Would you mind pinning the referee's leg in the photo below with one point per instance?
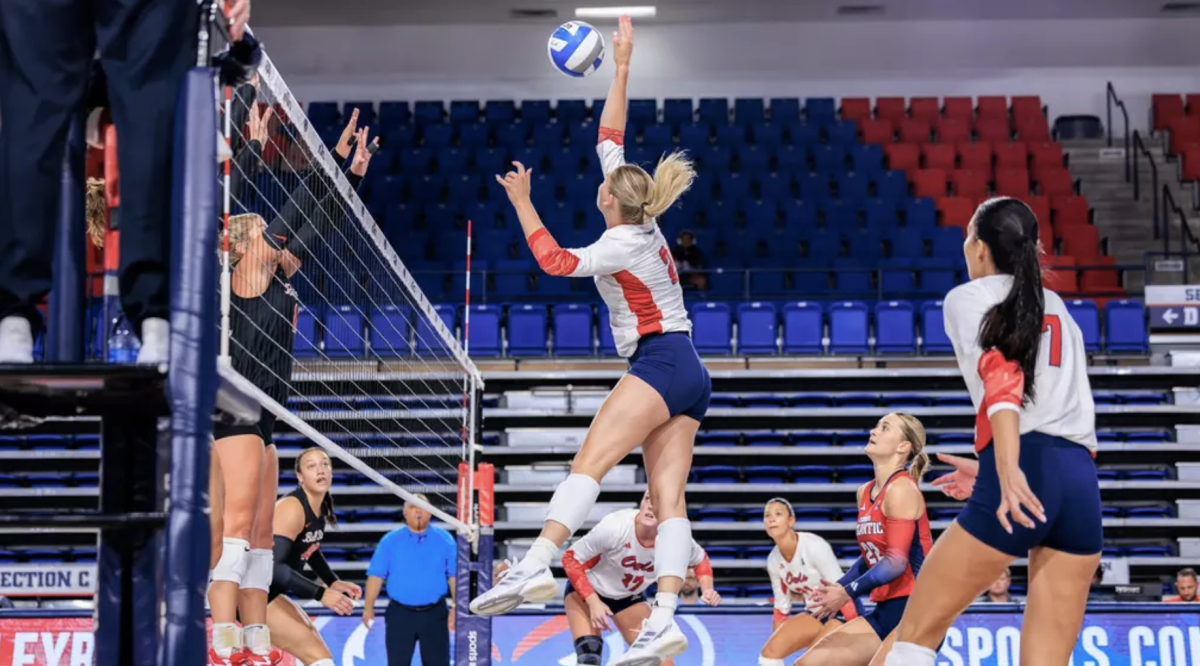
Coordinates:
(434, 635)
(401, 636)
(46, 49)
(146, 48)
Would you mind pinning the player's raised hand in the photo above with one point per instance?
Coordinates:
(347, 588)
(960, 483)
(623, 42)
(348, 132)
(516, 183)
(259, 122)
(363, 152)
(1015, 499)
(238, 13)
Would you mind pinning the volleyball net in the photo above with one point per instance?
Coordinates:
(324, 325)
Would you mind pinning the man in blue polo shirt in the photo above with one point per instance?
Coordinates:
(418, 563)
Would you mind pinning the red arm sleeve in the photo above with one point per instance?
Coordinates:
(609, 134)
(704, 568)
(577, 573)
(849, 611)
(900, 535)
(550, 257)
(1003, 388)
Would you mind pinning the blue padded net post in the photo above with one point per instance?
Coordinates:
(192, 383)
(64, 340)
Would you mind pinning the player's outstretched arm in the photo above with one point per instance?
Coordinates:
(613, 117)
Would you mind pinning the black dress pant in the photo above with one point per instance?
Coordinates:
(408, 626)
(46, 52)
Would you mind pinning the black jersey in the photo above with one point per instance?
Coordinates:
(307, 542)
(263, 328)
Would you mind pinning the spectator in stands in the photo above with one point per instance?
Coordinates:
(1185, 587)
(998, 592)
(418, 562)
(689, 259)
(6, 603)
(689, 595)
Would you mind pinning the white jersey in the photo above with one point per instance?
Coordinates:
(1064, 406)
(812, 562)
(618, 565)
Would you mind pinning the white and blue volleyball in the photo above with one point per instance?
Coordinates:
(576, 49)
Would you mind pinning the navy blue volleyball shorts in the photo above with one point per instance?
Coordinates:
(670, 364)
(885, 616)
(1063, 476)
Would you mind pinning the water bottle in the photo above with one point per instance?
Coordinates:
(122, 343)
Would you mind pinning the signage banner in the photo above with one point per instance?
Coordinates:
(47, 580)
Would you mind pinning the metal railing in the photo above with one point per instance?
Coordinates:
(1188, 242)
(1111, 99)
(1141, 150)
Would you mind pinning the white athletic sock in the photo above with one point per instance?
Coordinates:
(257, 638)
(663, 612)
(541, 553)
(226, 639)
(573, 501)
(763, 661)
(323, 662)
(910, 654)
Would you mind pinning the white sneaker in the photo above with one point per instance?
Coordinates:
(655, 644)
(156, 341)
(520, 584)
(16, 340)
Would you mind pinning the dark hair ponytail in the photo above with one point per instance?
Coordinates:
(327, 503)
(1014, 326)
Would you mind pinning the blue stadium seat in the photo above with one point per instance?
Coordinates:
(535, 111)
(1150, 551)
(855, 473)
(856, 400)
(1148, 511)
(866, 160)
(1146, 475)
(946, 242)
(937, 276)
(764, 401)
(944, 513)
(767, 136)
(306, 341)
(763, 474)
(608, 347)
(527, 328)
(428, 341)
(747, 111)
(391, 332)
(852, 277)
(828, 158)
(1087, 317)
(753, 160)
(891, 185)
(820, 110)
(848, 328)
(773, 187)
(804, 134)
(933, 329)
(896, 276)
(811, 400)
(714, 110)
(718, 474)
(792, 159)
(784, 110)
(717, 514)
(803, 328)
(573, 329)
(767, 439)
(1147, 437)
(390, 113)
(759, 591)
(437, 137)
(464, 111)
(712, 330)
(814, 187)
(471, 136)
(678, 111)
(1125, 325)
(895, 328)
(717, 439)
(814, 514)
(812, 474)
(851, 185)
(905, 399)
(757, 328)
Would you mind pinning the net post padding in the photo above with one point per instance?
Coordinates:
(473, 633)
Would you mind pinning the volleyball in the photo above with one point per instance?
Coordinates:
(576, 49)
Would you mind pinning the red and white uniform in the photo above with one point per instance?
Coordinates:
(631, 263)
(1064, 405)
(611, 562)
(813, 562)
(879, 535)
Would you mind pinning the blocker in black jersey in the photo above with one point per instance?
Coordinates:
(292, 554)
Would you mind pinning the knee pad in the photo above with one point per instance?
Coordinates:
(259, 571)
(589, 650)
(763, 661)
(673, 548)
(323, 662)
(235, 560)
(573, 501)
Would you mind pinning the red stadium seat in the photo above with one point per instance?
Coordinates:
(1191, 163)
(1041, 208)
(958, 107)
(994, 129)
(1011, 155)
(856, 108)
(955, 211)
(923, 108)
(1045, 154)
(1080, 241)
(1070, 210)
(928, 183)
(1184, 131)
(877, 130)
(976, 157)
(1060, 273)
(914, 131)
(1191, 104)
(1166, 108)
(1027, 107)
(1033, 130)
(1055, 183)
(1046, 236)
(1099, 280)
(903, 156)
(939, 156)
(970, 184)
(1012, 183)
(892, 108)
(992, 106)
(953, 130)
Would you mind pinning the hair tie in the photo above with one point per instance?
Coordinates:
(644, 204)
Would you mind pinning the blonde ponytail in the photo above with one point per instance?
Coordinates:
(914, 433)
(642, 198)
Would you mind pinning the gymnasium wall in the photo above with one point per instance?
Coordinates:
(1067, 62)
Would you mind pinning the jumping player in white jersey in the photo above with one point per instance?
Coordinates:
(1033, 490)
(660, 401)
(797, 566)
(607, 572)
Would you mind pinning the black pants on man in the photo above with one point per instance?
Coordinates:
(406, 626)
(46, 52)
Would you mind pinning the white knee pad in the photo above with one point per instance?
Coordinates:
(910, 654)
(763, 661)
(259, 571)
(673, 548)
(235, 560)
(323, 662)
(573, 501)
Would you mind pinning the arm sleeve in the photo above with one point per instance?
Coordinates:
(320, 566)
(610, 146)
(783, 598)
(698, 557)
(857, 569)
(577, 573)
(604, 257)
(1003, 383)
(244, 165)
(894, 561)
(244, 96)
(288, 578)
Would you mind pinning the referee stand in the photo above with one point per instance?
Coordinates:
(155, 422)
(473, 633)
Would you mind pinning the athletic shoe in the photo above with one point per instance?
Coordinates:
(16, 340)
(247, 658)
(215, 659)
(156, 341)
(520, 584)
(655, 644)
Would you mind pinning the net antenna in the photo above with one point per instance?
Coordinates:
(322, 322)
